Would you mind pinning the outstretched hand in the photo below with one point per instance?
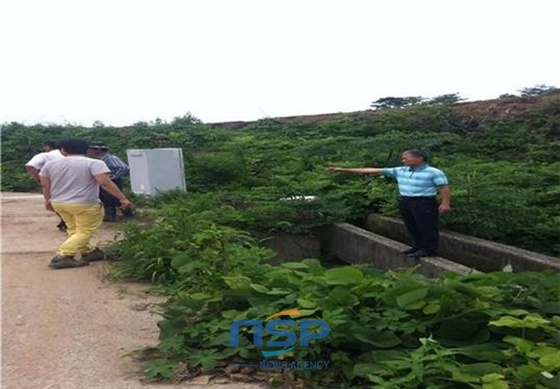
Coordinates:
(333, 169)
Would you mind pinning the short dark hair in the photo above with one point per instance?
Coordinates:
(74, 146)
(53, 144)
(418, 154)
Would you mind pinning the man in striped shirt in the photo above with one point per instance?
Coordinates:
(418, 185)
(119, 170)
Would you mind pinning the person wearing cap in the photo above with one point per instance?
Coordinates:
(35, 164)
(418, 185)
(119, 170)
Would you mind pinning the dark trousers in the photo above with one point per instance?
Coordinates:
(107, 199)
(420, 216)
(110, 202)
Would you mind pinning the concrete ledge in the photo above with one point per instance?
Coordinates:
(356, 245)
(435, 266)
(472, 252)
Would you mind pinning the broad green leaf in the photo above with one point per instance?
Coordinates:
(462, 377)
(306, 312)
(462, 288)
(341, 296)
(295, 265)
(365, 369)
(237, 282)
(391, 294)
(532, 320)
(377, 380)
(278, 292)
(346, 275)
(188, 267)
(306, 303)
(492, 377)
(541, 350)
(527, 372)
(517, 312)
(551, 361)
(480, 369)
(483, 352)
(200, 296)
(495, 385)
(259, 288)
(431, 308)
(410, 299)
(490, 291)
(522, 345)
(383, 339)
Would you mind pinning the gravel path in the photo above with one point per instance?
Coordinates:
(68, 329)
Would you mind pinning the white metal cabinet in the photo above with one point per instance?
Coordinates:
(156, 170)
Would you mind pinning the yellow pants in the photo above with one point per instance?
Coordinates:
(83, 221)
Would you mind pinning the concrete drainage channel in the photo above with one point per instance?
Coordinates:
(469, 251)
(356, 245)
(379, 245)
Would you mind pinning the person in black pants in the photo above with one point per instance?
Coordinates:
(418, 185)
(119, 170)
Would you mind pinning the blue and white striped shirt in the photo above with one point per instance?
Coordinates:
(118, 168)
(415, 182)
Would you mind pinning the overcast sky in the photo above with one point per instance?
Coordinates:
(125, 61)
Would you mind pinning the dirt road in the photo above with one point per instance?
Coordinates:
(68, 329)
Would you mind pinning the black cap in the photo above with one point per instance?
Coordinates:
(98, 145)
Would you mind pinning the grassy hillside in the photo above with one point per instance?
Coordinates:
(501, 157)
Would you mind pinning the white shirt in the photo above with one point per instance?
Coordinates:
(41, 159)
(73, 179)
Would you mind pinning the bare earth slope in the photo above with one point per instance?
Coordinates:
(67, 329)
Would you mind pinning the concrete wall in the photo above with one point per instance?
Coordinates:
(355, 245)
(291, 247)
(472, 252)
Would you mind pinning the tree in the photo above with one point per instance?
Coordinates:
(397, 102)
(538, 90)
(450, 98)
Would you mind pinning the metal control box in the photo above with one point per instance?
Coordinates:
(153, 171)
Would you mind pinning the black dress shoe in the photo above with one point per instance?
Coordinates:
(410, 250)
(422, 253)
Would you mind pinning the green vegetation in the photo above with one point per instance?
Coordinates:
(388, 329)
(503, 169)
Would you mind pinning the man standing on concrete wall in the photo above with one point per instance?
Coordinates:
(418, 184)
